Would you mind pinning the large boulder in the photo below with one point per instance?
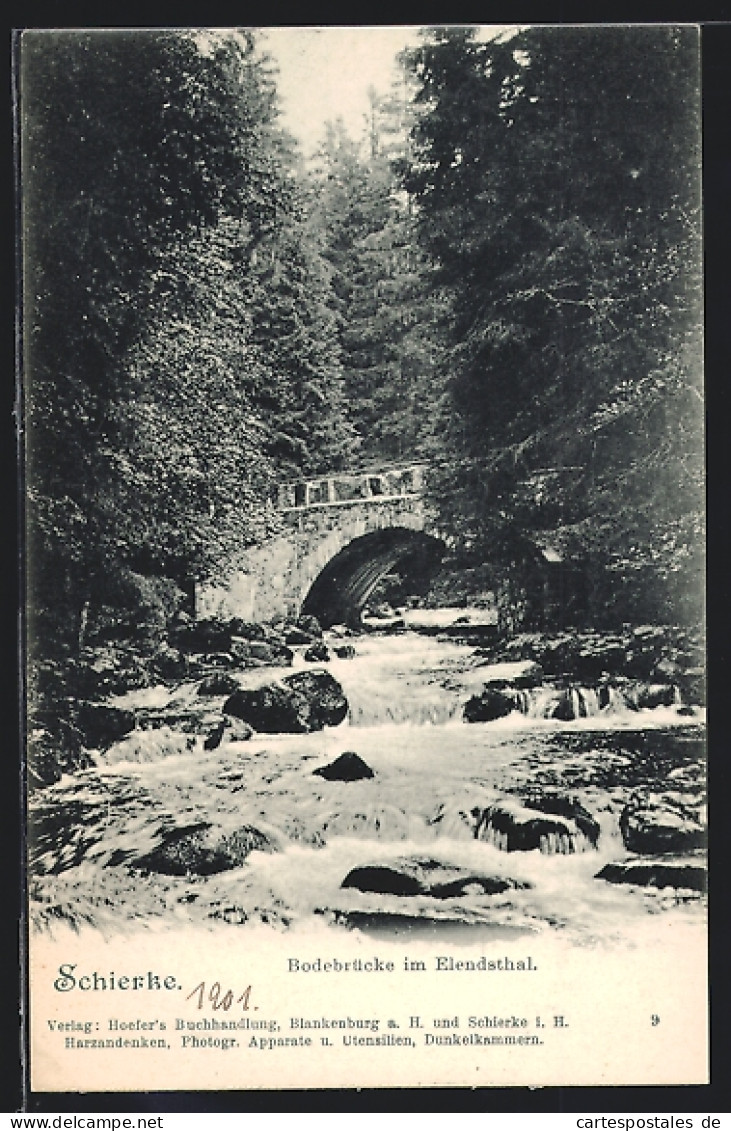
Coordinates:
(657, 872)
(659, 824)
(513, 827)
(327, 703)
(297, 704)
(409, 876)
(202, 850)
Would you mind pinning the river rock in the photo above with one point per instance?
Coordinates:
(260, 653)
(654, 653)
(54, 752)
(654, 695)
(110, 671)
(191, 718)
(168, 662)
(657, 872)
(297, 636)
(219, 683)
(271, 652)
(409, 876)
(347, 767)
(317, 653)
(690, 778)
(297, 704)
(227, 730)
(513, 827)
(101, 725)
(271, 709)
(557, 654)
(345, 652)
(565, 706)
(667, 671)
(241, 652)
(598, 657)
(340, 631)
(205, 635)
(249, 630)
(214, 738)
(201, 850)
(647, 646)
(328, 703)
(492, 703)
(559, 805)
(692, 685)
(659, 825)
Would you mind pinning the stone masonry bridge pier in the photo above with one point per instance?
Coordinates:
(341, 535)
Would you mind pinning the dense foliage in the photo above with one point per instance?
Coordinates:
(556, 174)
(179, 341)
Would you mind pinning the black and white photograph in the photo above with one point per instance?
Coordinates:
(363, 438)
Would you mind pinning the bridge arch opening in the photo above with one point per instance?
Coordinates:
(342, 589)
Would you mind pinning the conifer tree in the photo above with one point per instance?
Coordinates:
(556, 177)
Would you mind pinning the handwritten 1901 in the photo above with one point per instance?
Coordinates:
(218, 998)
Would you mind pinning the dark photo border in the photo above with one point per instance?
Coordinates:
(712, 1098)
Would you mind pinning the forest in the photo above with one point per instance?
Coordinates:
(501, 277)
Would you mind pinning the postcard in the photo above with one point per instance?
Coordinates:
(362, 391)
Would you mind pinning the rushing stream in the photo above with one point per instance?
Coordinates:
(418, 846)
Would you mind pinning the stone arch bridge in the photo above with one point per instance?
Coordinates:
(342, 534)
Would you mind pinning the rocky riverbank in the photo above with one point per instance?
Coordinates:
(74, 709)
(201, 794)
(71, 700)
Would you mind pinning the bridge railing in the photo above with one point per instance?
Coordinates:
(332, 490)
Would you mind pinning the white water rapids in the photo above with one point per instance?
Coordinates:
(431, 771)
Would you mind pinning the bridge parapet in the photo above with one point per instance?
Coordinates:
(351, 529)
(342, 489)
